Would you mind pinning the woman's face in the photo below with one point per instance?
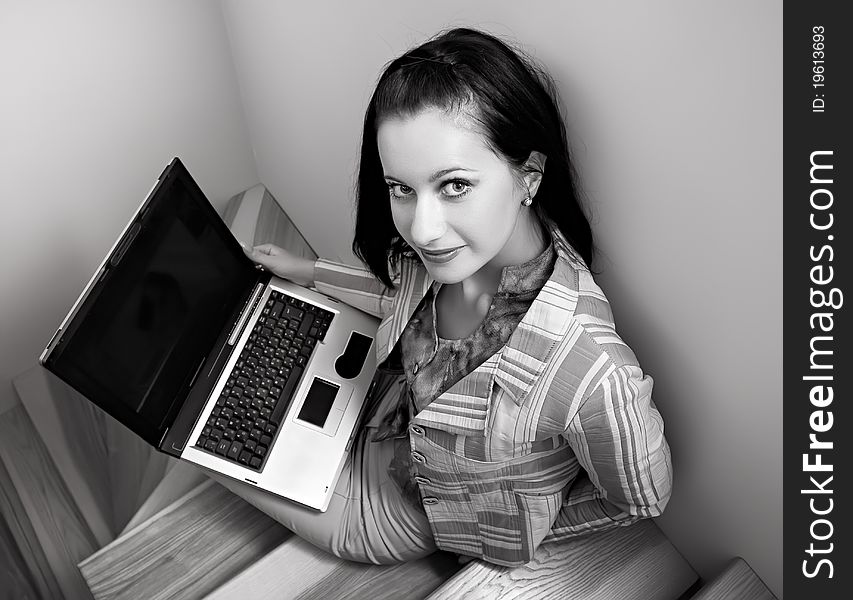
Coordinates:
(453, 200)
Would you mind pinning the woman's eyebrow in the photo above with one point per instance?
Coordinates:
(435, 176)
(443, 172)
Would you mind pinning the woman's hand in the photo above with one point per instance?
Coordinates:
(283, 263)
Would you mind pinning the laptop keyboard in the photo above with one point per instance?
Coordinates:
(255, 398)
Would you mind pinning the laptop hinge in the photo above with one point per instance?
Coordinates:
(244, 316)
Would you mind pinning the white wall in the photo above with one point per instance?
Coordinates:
(676, 111)
(97, 96)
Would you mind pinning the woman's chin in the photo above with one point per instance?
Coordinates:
(445, 274)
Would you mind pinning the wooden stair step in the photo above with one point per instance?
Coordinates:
(736, 582)
(72, 430)
(108, 470)
(186, 550)
(299, 570)
(26, 556)
(180, 479)
(630, 563)
(43, 517)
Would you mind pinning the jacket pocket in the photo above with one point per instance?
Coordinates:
(536, 515)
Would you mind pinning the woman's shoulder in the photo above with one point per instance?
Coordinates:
(592, 331)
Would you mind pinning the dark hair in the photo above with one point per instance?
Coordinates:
(513, 102)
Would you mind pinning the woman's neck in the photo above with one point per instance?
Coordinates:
(527, 241)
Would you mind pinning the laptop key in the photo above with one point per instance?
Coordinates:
(222, 447)
(210, 445)
(234, 450)
(306, 325)
(244, 457)
(255, 462)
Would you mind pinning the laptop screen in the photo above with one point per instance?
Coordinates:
(143, 331)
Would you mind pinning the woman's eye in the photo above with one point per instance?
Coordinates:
(456, 188)
(398, 190)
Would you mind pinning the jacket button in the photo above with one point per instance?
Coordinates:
(422, 480)
(429, 501)
(415, 369)
(417, 430)
(418, 457)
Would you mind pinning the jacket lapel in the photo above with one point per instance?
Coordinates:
(464, 408)
(531, 346)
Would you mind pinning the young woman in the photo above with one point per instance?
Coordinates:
(507, 411)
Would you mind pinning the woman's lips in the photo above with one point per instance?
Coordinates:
(440, 256)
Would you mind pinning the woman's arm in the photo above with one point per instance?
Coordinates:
(618, 438)
(353, 285)
(356, 286)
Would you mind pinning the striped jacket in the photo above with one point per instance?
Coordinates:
(554, 436)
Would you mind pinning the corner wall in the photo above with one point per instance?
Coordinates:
(97, 97)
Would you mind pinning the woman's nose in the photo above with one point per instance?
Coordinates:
(428, 222)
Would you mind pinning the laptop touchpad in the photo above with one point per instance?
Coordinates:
(348, 365)
(318, 402)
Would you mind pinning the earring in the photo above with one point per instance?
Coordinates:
(527, 200)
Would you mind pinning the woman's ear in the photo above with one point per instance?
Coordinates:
(534, 168)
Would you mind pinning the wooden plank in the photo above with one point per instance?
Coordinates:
(60, 529)
(19, 532)
(299, 570)
(255, 217)
(629, 563)
(135, 469)
(286, 572)
(737, 582)
(181, 478)
(14, 574)
(354, 581)
(273, 225)
(72, 430)
(186, 550)
(8, 398)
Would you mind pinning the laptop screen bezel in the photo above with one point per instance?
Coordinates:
(52, 359)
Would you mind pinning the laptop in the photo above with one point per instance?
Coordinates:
(210, 358)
